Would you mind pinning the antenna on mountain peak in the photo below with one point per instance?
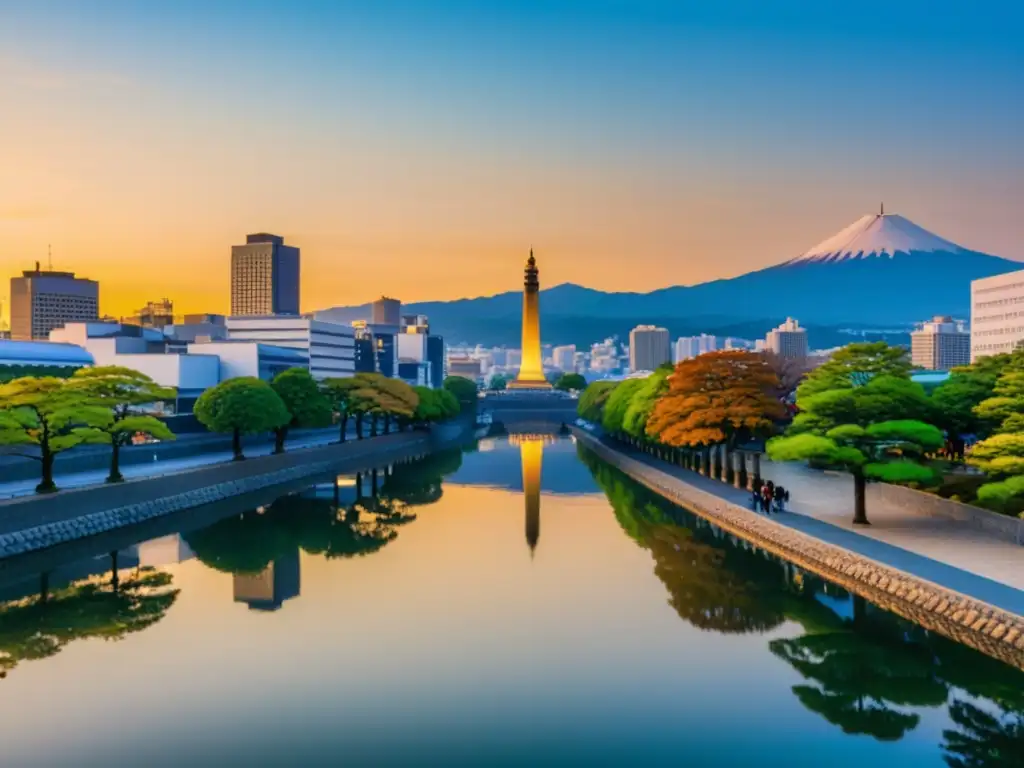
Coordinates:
(883, 210)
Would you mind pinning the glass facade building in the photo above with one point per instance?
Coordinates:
(264, 277)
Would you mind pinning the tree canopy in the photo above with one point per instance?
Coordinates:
(591, 403)
(304, 400)
(123, 392)
(615, 407)
(854, 365)
(52, 416)
(641, 405)
(718, 397)
(571, 381)
(241, 406)
(464, 390)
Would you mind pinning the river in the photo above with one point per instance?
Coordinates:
(519, 603)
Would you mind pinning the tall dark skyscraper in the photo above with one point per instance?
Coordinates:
(42, 300)
(264, 277)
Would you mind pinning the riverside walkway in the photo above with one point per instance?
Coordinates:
(944, 552)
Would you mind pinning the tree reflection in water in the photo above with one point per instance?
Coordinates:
(40, 626)
(250, 542)
(864, 674)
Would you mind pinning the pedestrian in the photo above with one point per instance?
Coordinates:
(767, 491)
(755, 491)
(780, 497)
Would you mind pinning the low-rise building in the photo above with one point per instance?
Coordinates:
(328, 348)
(248, 358)
(23, 356)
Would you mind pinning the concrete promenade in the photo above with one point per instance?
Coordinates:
(944, 552)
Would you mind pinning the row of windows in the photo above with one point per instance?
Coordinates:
(999, 302)
(994, 318)
(999, 288)
(999, 331)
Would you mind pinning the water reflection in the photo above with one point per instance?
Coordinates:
(531, 457)
(41, 625)
(865, 671)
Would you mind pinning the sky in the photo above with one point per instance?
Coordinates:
(419, 149)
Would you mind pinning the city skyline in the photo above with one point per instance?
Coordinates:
(143, 141)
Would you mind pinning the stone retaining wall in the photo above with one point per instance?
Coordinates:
(992, 631)
(35, 523)
(921, 503)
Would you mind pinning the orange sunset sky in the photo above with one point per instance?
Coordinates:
(420, 153)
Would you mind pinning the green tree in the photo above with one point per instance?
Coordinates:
(463, 389)
(891, 451)
(304, 400)
(855, 364)
(1006, 406)
(883, 398)
(387, 398)
(123, 391)
(593, 400)
(571, 381)
(429, 409)
(241, 406)
(51, 416)
(497, 383)
(450, 407)
(11, 372)
(343, 397)
(642, 403)
(955, 402)
(618, 403)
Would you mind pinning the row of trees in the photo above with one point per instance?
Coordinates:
(103, 405)
(248, 405)
(859, 412)
(567, 382)
(113, 405)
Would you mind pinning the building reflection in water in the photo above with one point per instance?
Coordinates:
(271, 587)
(531, 452)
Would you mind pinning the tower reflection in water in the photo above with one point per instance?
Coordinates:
(531, 452)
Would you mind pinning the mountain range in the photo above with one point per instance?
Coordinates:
(881, 272)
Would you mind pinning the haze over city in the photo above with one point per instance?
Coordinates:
(637, 145)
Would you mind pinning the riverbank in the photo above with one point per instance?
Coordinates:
(982, 614)
(39, 522)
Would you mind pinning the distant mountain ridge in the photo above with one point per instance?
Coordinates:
(881, 271)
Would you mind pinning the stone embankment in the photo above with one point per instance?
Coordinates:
(35, 523)
(992, 631)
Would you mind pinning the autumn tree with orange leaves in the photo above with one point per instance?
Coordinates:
(719, 398)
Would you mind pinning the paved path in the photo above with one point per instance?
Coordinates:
(945, 552)
(160, 467)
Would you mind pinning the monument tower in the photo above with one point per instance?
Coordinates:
(531, 370)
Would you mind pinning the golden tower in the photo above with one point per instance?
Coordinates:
(531, 370)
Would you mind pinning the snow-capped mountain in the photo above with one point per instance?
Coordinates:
(882, 270)
(874, 236)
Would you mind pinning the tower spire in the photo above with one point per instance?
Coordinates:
(882, 213)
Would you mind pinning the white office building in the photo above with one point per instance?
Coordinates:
(997, 314)
(788, 340)
(940, 344)
(564, 358)
(686, 348)
(329, 348)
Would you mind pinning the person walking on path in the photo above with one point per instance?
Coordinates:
(780, 498)
(755, 492)
(767, 492)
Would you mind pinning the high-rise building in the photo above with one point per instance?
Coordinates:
(686, 348)
(264, 277)
(788, 340)
(156, 314)
(328, 347)
(466, 367)
(438, 360)
(706, 343)
(386, 311)
(997, 314)
(649, 347)
(564, 358)
(940, 344)
(42, 300)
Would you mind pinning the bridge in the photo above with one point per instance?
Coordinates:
(528, 411)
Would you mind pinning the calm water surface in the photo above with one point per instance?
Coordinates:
(518, 604)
